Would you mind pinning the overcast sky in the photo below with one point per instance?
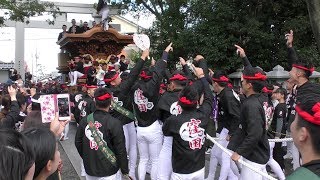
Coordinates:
(43, 41)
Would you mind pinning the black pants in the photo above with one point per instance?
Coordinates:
(278, 154)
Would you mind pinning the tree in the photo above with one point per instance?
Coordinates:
(171, 21)
(314, 13)
(21, 10)
(212, 27)
(258, 26)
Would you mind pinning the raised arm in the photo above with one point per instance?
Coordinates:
(207, 105)
(292, 55)
(202, 64)
(185, 68)
(159, 68)
(134, 73)
(11, 118)
(242, 54)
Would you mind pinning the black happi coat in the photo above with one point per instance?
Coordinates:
(121, 94)
(78, 66)
(188, 130)
(277, 128)
(146, 95)
(84, 105)
(290, 109)
(112, 132)
(250, 140)
(12, 117)
(229, 110)
(308, 87)
(168, 105)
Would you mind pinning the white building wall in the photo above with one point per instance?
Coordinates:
(125, 26)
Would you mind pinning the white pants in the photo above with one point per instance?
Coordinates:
(274, 165)
(149, 144)
(247, 173)
(113, 177)
(117, 176)
(198, 175)
(104, 13)
(83, 171)
(215, 158)
(217, 155)
(74, 76)
(66, 131)
(289, 145)
(235, 166)
(165, 164)
(131, 147)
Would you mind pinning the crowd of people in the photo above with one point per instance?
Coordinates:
(164, 116)
(85, 67)
(102, 9)
(75, 29)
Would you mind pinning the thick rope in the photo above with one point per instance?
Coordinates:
(270, 140)
(281, 140)
(240, 160)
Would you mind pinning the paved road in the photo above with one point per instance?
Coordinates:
(72, 160)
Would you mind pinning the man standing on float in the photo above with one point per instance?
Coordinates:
(103, 10)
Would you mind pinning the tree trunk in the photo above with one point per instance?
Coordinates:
(314, 14)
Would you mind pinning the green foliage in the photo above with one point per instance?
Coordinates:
(134, 56)
(22, 10)
(212, 27)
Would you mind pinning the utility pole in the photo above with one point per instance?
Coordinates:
(36, 56)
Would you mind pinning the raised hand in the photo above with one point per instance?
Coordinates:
(198, 72)
(153, 62)
(289, 38)
(56, 126)
(240, 51)
(33, 91)
(211, 72)
(145, 54)
(169, 48)
(13, 93)
(198, 57)
(182, 61)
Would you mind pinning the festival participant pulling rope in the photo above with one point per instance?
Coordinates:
(240, 160)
